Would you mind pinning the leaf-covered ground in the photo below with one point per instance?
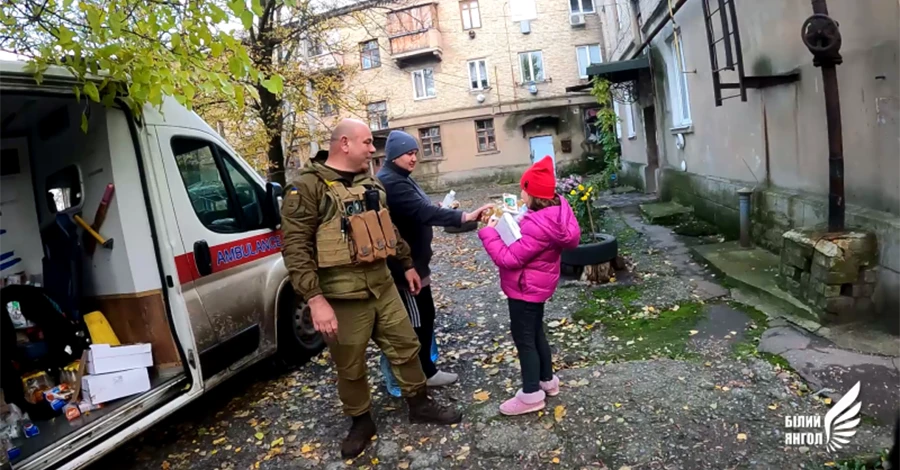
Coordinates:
(659, 370)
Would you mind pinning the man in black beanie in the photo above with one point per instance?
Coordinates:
(414, 215)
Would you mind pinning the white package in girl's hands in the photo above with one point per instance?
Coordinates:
(508, 229)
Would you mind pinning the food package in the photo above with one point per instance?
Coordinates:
(59, 396)
(35, 385)
(75, 410)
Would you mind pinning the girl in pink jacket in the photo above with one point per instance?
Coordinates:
(529, 274)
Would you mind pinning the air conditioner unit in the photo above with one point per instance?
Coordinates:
(525, 26)
(576, 19)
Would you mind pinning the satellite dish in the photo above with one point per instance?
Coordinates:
(480, 98)
(532, 89)
(679, 141)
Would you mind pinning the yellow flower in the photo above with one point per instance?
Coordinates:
(580, 187)
(590, 189)
(573, 192)
(584, 198)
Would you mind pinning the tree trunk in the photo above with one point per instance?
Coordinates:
(273, 118)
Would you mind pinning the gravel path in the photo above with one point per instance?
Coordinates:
(688, 401)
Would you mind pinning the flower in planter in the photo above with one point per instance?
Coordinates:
(581, 199)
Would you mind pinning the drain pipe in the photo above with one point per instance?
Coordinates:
(744, 195)
(822, 36)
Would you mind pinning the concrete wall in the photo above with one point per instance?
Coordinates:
(499, 40)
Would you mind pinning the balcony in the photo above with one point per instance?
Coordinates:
(413, 33)
(327, 62)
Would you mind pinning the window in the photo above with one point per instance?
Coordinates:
(484, 132)
(478, 77)
(586, 56)
(581, 6)
(369, 55)
(431, 142)
(64, 189)
(377, 113)
(423, 84)
(618, 119)
(326, 109)
(317, 47)
(471, 18)
(629, 121)
(622, 15)
(226, 204)
(531, 65)
(678, 89)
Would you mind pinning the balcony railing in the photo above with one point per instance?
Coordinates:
(413, 33)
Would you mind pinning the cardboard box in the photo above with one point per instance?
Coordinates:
(102, 388)
(105, 358)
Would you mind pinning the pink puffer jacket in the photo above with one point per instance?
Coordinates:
(529, 268)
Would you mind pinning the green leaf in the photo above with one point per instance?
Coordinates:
(115, 24)
(77, 93)
(65, 36)
(84, 123)
(91, 90)
(237, 7)
(95, 19)
(247, 20)
(257, 8)
(216, 48)
(189, 91)
(176, 41)
(236, 67)
(275, 84)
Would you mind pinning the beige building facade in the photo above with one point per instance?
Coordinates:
(677, 141)
(481, 84)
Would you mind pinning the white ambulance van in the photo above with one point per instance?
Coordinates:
(191, 263)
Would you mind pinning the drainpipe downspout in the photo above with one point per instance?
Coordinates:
(822, 36)
(662, 24)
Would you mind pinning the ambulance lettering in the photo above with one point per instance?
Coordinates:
(247, 251)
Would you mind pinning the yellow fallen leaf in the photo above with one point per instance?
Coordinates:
(166, 465)
(481, 396)
(612, 279)
(830, 464)
(773, 406)
(675, 308)
(826, 400)
(707, 364)
(403, 465)
(725, 389)
(375, 460)
(741, 437)
(408, 449)
(559, 412)
(556, 459)
(306, 448)
(259, 436)
(218, 441)
(237, 450)
(693, 332)
(278, 442)
(618, 405)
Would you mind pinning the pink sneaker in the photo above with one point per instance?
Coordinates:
(523, 403)
(551, 387)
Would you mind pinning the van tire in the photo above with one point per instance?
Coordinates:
(297, 339)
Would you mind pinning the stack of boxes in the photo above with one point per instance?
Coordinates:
(115, 372)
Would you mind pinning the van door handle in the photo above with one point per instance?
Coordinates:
(202, 257)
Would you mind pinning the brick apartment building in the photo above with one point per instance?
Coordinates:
(482, 84)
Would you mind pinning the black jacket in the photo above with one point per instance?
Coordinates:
(414, 214)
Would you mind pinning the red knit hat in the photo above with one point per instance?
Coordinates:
(539, 180)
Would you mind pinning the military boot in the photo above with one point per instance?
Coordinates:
(423, 409)
(361, 432)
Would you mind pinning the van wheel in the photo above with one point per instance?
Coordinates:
(298, 340)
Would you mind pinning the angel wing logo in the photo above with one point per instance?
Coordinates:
(841, 420)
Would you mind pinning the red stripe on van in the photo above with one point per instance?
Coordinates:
(231, 255)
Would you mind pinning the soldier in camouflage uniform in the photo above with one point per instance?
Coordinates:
(337, 236)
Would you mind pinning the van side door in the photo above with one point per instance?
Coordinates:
(221, 219)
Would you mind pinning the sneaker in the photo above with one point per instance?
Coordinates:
(422, 409)
(361, 432)
(390, 383)
(441, 379)
(551, 387)
(524, 403)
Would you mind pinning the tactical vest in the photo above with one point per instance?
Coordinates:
(357, 233)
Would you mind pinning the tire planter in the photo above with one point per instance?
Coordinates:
(606, 248)
(466, 227)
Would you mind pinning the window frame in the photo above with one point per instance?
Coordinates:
(429, 143)
(385, 119)
(618, 119)
(629, 121)
(587, 48)
(486, 79)
(622, 14)
(424, 84)
(219, 155)
(363, 51)
(490, 134)
(581, 10)
(679, 93)
(531, 67)
(465, 12)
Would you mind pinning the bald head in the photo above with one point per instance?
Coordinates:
(351, 146)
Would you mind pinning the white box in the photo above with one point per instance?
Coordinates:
(105, 358)
(508, 229)
(106, 387)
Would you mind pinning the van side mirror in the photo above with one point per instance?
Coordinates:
(272, 205)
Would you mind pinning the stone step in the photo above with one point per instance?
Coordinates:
(665, 213)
